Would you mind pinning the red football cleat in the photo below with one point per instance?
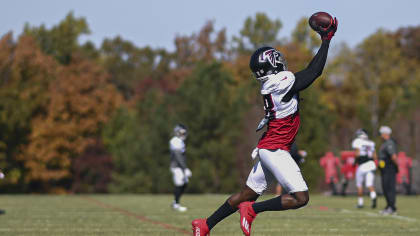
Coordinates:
(199, 227)
(247, 216)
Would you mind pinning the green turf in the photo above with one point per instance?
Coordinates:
(151, 215)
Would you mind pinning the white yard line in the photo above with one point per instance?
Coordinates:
(405, 218)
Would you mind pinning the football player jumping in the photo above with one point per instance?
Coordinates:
(366, 154)
(280, 89)
(180, 172)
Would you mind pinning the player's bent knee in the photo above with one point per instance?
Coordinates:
(302, 199)
(303, 202)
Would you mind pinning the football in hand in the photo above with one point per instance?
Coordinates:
(320, 19)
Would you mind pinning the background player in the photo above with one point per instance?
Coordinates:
(365, 156)
(330, 163)
(1, 177)
(405, 164)
(180, 172)
(280, 90)
(389, 169)
(348, 169)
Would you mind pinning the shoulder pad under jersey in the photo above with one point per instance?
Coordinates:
(357, 143)
(176, 144)
(278, 83)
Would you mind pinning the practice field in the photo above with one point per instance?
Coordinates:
(151, 215)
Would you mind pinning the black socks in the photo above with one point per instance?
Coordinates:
(179, 190)
(224, 211)
(273, 204)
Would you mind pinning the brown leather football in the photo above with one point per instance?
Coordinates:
(320, 19)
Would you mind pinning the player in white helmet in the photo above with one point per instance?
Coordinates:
(365, 156)
(180, 172)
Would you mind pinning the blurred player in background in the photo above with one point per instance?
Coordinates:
(330, 163)
(178, 167)
(280, 92)
(365, 158)
(405, 164)
(1, 177)
(348, 169)
(299, 157)
(388, 165)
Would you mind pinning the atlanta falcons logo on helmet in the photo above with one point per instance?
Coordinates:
(271, 56)
(267, 61)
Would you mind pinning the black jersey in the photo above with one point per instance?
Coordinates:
(388, 148)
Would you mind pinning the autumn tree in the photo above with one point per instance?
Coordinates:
(26, 74)
(258, 31)
(374, 77)
(407, 108)
(129, 65)
(61, 41)
(80, 101)
(306, 37)
(78, 118)
(206, 45)
(210, 107)
(92, 170)
(138, 142)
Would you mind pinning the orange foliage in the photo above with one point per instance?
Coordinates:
(80, 101)
(6, 50)
(297, 57)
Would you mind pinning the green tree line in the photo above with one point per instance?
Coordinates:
(76, 117)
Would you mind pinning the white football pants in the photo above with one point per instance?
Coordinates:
(365, 172)
(276, 165)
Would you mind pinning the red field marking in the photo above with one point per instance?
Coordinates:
(323, 208)
(139, 217)
(320, 208)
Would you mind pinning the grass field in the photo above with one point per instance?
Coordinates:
(151, 215)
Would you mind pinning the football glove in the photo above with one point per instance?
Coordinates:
(188, 173)
(255, 154)
(262, 123)
(328, 32)
(303, 153)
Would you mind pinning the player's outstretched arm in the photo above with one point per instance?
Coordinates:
(306, 77)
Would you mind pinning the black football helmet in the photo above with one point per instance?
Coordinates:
(361, 133)
(266, 61)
